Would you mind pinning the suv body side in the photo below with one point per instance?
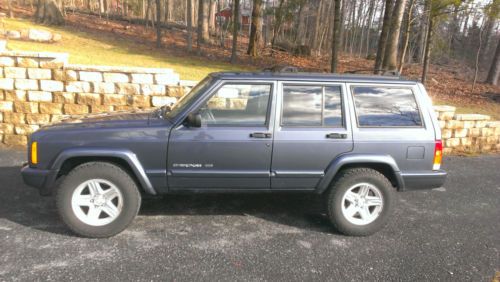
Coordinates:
(168, 156)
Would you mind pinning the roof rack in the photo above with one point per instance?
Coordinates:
(384, 72)
(281, 68)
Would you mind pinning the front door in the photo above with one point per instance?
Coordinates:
(232, 149)
(312, 129)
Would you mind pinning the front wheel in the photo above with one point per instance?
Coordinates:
(98, 199)
(360, 201)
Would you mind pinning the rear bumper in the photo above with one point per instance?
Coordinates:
(41, 179)
(422, 181)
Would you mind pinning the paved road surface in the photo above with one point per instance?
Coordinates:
(450, 233)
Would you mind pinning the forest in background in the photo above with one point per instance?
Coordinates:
(392, 32)
(411, 37)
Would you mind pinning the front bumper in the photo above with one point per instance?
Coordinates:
(424, 180)
(41, 179)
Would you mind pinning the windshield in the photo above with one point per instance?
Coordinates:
(186, 100)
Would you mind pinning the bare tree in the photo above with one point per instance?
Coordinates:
(49, 12)
(406, 36)
(9, 8)
(204, 14)
(383, 36)
(476, 66)
(255, 29)
(494, 72)
(199, 34)
(336, 35)
(427, 49)
(278, 21)
(236, 23)
(189, 20)
(391, 50)
(158, 23)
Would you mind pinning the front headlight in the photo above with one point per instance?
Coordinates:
(34, 152)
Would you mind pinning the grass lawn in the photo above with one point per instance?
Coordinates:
(104, 49)
(492, 109)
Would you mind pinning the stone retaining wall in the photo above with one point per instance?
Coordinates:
(41, 88)
(467, 133)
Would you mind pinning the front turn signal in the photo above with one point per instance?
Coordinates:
(34, 153)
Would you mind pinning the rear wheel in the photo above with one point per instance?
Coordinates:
(98, 199)
(360, 201)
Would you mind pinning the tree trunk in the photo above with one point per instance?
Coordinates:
(391, 51)
(406, 36)
(301, 24)
(427, 52)
(371, 13)
(48, 12)
(236, 19)
(189, 22)
(211, 18)
(342, 25)
(383, 37)
(255, 29)
(168, 10)
(101, 7)
(336, 35)
(277, 25)
(205, 33)
(148, 9)
(10, 14)
(476, 66)
(494, 72)
(487, 35)
(199, 34)
(317, 25)
(158, 23)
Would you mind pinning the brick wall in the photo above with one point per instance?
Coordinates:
(467, 133)
(41, 88)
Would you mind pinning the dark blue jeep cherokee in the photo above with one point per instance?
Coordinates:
(356, 140)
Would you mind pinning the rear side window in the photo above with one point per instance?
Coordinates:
(310, 105)
(383, 106)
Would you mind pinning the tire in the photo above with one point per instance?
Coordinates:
(371, 207)
(98, 200)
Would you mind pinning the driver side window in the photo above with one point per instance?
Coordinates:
(237, 104)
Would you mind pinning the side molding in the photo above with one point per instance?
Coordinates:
(125, 155)
(349, 159)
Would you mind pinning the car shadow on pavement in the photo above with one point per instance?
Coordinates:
(304, 211)
(23, 205)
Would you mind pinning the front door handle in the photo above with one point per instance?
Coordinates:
(336, 136)
(261, 135)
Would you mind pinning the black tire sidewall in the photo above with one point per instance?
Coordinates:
(98, 170)
(340, 188)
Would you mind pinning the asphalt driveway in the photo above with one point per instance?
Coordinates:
(450, 233)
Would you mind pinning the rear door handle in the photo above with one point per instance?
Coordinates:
(261, 135)
(336, 136)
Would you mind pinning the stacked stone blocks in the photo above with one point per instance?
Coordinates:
(42, 88)
(467, 133)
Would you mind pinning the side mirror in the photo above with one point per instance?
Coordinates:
(193, 120)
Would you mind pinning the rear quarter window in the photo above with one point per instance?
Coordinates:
(386, 106)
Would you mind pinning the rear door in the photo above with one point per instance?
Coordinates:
(312, 128)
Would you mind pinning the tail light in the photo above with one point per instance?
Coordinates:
(438, 155)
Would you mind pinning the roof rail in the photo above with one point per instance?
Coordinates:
(384, 72)
(281, 68)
